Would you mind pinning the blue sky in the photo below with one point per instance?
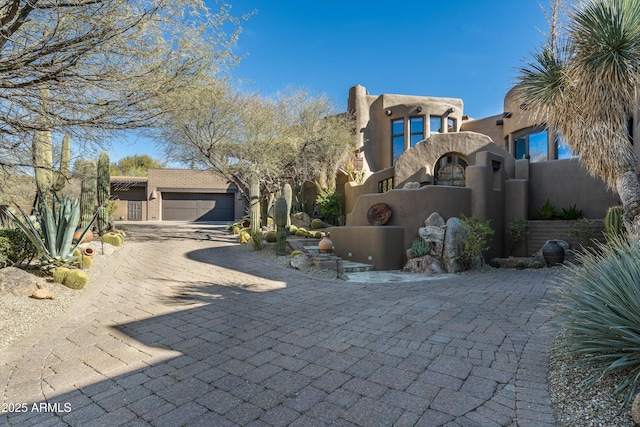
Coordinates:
(468, 49)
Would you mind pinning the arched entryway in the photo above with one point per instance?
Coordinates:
(450, 170)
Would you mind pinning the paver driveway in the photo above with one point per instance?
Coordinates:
(186, 327)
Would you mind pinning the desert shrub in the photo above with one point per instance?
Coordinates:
(420, 248)
(546, 211)
(329, 206)
(15, 247)
(475, 241)
(316, 224)
(571, 213)
(517, 231)
(601, 304)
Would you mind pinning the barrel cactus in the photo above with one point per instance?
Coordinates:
(613, 223)
(60, 274)
(112, 238)
(76, 279)
(280, 218)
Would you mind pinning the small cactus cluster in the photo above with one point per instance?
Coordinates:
(112, 238)
(74, 279)
(613, 222)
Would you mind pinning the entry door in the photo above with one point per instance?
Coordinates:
(134, 211)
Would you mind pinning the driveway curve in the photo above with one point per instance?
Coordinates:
(186, 327)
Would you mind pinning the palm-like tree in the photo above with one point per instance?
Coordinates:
(584, 83)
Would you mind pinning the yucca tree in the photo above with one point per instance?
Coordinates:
(583, 83)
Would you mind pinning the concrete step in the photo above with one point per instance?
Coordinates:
(352, 267)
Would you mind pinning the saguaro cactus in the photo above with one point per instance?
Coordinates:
(280, 219)
(254, 204)
(88, 193)
(48, 181)
(287, 192)
(103, 191)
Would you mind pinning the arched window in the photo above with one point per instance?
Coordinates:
(450, 170)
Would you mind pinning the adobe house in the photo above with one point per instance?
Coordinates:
(176, 195)
(423, 155)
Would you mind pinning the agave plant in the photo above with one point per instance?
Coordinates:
(52, 233)
(602, 305)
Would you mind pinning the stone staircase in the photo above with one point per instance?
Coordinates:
(326, 261)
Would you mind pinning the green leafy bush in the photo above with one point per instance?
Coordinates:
(475, 240)
(517, 231)
(15, 247)
(546, 211)
(600, 301)
(571, 213)
(420, 248)
(329, 206)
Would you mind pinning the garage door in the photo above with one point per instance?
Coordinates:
(197, 207)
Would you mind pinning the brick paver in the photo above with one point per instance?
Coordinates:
(186, 327)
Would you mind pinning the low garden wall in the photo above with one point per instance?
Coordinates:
(575, 232)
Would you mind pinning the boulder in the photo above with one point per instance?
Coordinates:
(434, 220)
(412, 185)
(425, 265)
(434, 236)
(301, 262)
(452, 242)
(42, 294)
(301, 219)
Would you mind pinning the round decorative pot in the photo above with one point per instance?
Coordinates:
(553, 253)
(88, 237)
(325, 245)
(88, 252)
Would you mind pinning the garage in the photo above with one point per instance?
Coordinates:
(197, 206)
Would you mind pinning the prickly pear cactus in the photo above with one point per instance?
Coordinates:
(103, 191)
(280, 219)
(287, 192)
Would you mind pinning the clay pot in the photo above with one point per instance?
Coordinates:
(88, 252)
(325, 245)
(87, 237)
(553, 253)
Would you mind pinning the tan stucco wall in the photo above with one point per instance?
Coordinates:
(486, 126)
(428, 152)
(411, 207)
(565, 183)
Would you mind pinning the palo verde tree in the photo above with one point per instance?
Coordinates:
(105, 64)
(583, 82)
(293, 136)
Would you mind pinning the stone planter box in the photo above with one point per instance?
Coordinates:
(539, 232)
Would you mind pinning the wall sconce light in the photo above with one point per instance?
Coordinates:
(387, 112)
(154, 195)
(419, 109)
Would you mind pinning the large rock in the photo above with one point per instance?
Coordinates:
(301, 219)
(452, 245)
(301, 262)
(425, 265)
(434, 236)
(434, 220)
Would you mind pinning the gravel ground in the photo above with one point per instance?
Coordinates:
(20, 314)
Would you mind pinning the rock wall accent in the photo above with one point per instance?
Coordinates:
(444, 240)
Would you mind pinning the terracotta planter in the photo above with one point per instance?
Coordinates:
(87, 237)
(88, 252)
(325, 245)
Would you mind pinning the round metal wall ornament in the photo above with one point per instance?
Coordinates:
(379, 214)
